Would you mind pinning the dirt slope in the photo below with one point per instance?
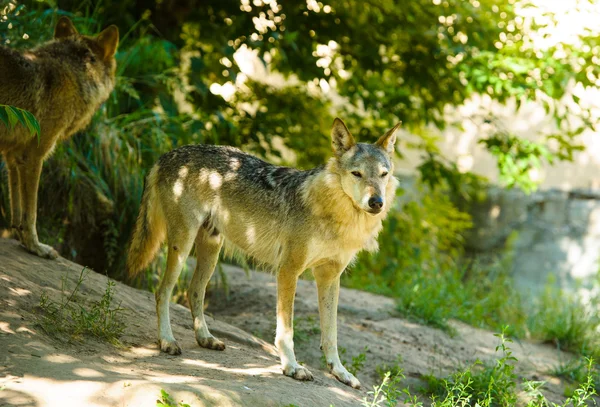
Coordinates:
(36, 370)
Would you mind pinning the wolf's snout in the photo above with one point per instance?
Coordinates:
(376, 203)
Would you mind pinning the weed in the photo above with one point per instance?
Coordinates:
(583, 394)
(356, 364)
(100, 320)
(480, 386)
(387, 393)
(562, 319)
(393, 369)
(485, 385)
(305, 328)
(167, 401)
(572, 370)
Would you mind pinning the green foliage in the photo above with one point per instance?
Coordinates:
(487, 386)
(385, 394)
(516, 158)
(358, 362)
(564, 320)
(11, 115)
(479, 385)
(100, 319)
(305, 328)
(167, 401)
(582, 396)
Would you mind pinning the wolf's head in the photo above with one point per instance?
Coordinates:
(365, 169)
(90, 58)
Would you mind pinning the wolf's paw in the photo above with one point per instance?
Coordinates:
(298, 372)
(346, 377)
(42, 250)
(170, 346)
(211, 343)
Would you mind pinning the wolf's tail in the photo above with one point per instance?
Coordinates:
(150, 228)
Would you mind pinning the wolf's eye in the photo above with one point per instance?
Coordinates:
(384, 174)
(357, 174)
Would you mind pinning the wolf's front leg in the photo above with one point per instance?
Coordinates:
(284, 339)
(14, 189)
(29, 179)
(328, 286)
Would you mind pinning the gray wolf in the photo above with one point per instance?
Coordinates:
(62, 82)
(288, 219)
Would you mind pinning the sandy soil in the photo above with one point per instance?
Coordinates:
(38, 370)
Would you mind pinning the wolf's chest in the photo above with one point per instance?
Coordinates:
(343, 242)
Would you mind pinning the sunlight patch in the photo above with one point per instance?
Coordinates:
(215, 180)
(178, 188)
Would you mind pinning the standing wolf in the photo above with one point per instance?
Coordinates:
(289, 219)
(62, 82)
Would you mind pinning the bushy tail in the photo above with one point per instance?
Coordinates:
(150, 228)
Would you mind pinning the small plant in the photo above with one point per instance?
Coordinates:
(583, 394)
(387, 393)
(167, 401)
(357, 363)
(305, 328)
(486, 386)
(100, 320)
(573, 371)
(562, 319)
(393, 369)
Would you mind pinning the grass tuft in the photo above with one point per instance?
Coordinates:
(99, 319)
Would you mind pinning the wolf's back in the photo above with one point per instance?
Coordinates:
(150, 227)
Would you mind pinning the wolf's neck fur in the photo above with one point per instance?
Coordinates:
(339, 215)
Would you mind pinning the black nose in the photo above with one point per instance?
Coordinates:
(375, 202)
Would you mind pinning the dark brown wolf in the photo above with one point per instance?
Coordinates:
(62, 82)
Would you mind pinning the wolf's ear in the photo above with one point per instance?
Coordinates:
(64, 28)
(108, 41)
(341, 139)
(388, 140)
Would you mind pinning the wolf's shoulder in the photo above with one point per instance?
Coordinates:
(14, 63)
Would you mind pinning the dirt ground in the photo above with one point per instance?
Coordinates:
(38, 370)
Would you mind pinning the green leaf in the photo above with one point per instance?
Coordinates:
(11, 115)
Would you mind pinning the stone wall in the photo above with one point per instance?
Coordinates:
(554, 232)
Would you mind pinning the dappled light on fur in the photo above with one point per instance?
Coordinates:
(215, 180)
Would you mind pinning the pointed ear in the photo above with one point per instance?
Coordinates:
(108, 41)
(388, 140)
(341, 139)
(64, 28)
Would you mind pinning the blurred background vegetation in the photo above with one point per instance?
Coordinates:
(269, 77)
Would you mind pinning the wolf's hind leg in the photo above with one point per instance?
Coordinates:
(208, 246)
(328, 287)
(180, 238)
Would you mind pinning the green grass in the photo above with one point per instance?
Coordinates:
(166, 400)
(479, 385)
(71, 316)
